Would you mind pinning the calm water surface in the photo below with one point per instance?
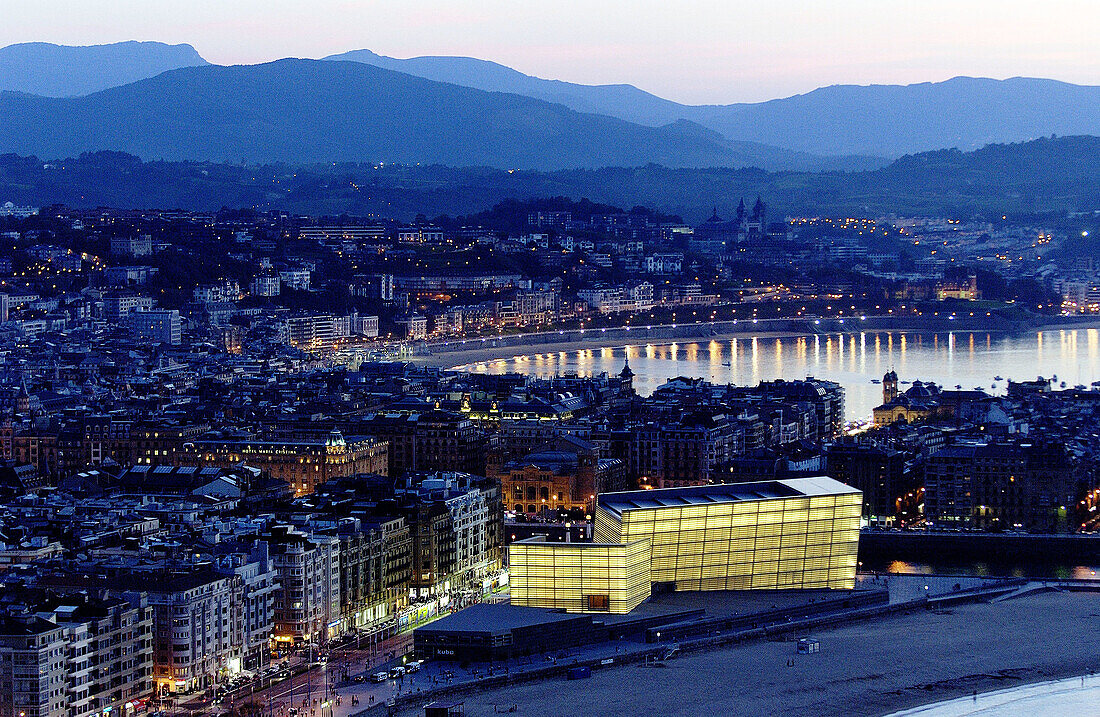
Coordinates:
(971, 359)
(1015, 569)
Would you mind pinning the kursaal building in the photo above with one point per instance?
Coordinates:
(801, 533)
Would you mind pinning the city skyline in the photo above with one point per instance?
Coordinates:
(742, 53)
(363, 356)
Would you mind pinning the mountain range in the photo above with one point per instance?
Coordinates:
(877, 120)
(41, 68)
(308, 111)
(466, 111)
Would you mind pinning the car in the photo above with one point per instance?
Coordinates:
(358, 678)
(412, 666)
(397, 671)
(380, 677)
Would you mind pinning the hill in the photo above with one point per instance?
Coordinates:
(874, 120)
(307, 111)
(837, 127)
(1045, 177)
(623, 101)
(965, 113)
(41, 68)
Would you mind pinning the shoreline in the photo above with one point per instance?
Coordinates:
(1008, 700)
(916, 660)
(459, 353)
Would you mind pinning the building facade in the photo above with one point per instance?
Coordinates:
(783, 534)
(579, 577)
(303, 464)
(307, 609)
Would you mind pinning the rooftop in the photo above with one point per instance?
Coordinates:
(617, 503)
(498, 617)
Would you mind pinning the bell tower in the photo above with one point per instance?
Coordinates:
(889, 387)
(626, 380)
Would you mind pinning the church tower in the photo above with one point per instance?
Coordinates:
(889, 387)
(626, 380)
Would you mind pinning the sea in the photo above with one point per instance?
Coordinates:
(985, 360)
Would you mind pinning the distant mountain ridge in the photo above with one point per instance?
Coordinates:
(876, 120)
(1025, 179)
(306, 111)
(42, 68)
(843, 127)
(622, 101)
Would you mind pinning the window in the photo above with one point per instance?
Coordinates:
(599, 602)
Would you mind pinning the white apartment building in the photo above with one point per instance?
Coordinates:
(265, 286)
(307, 607)
(32, 667)
(198, 627)
(161, 326)
(297, 279)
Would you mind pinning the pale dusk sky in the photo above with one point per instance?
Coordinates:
(695, 51)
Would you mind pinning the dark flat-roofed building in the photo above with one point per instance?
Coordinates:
(487, 631)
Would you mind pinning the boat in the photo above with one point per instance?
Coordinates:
(1062, 385)
(998, 378)
(875, 380)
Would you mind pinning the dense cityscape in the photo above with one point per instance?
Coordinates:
(230, 438)
(471, 379)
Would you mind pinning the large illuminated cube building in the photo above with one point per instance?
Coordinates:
(771, 535)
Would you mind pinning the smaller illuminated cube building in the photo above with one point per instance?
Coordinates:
(580, 577)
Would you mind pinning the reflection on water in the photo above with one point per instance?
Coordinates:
(969, 359)
(986, 569)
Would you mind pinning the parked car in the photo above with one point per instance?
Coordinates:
(379, 677)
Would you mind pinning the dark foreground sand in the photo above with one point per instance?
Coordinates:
(871, 668)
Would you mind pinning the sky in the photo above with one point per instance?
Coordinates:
(694, 51)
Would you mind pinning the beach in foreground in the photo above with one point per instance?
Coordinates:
(1071, 697)
(872, 668)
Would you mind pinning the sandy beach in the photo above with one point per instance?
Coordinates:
(872, 668)
(507, 347)
(461, 358)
